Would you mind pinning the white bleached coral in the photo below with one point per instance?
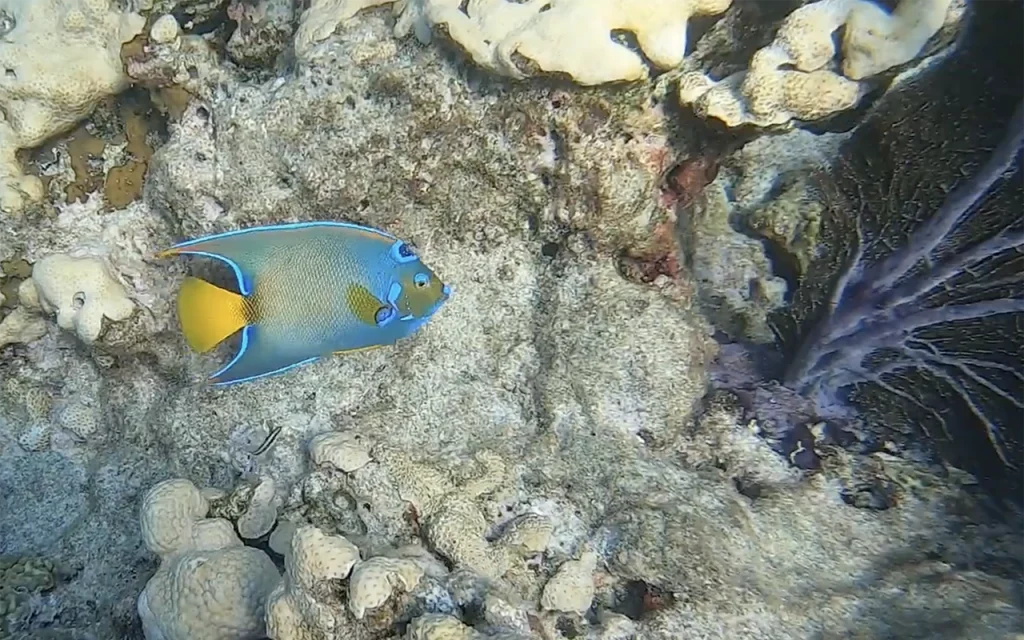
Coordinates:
(81, 291)
(58, 59)
(452, 522)
(301, 605)
(340, 449)
(261, 514)
(794, 77)
(571, 589)
(567, 36)
(375, 580)
(209, 585)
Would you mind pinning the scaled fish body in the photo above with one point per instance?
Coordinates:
(306, 290)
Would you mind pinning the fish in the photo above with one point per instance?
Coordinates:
(306, 291)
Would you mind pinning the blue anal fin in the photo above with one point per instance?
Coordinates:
(261, 355)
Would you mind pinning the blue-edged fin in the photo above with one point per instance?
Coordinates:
(208, 314)
(249, 251)
(265, 350)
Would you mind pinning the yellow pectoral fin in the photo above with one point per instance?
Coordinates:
(364, 305)
(209, 314)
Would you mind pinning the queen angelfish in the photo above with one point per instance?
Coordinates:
(307, 290)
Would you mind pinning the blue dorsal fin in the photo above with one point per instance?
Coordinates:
(247, 251)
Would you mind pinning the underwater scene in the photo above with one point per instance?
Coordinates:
(511, 320)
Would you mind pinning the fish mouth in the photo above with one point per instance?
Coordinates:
(446, 293)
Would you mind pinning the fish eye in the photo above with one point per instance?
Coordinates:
(421, 280)
(384, 315)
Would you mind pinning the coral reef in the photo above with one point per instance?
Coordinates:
(60, 58)
(543, 461)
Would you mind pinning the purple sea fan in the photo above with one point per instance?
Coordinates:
(913, 310)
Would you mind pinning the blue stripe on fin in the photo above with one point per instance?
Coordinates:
(244, 286)
(267, 374)
(394, 293)
(282, 227)
(241, 351)
(260, 356)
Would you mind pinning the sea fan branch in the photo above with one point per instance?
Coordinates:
(868, 313)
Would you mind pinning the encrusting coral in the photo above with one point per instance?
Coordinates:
(792, 78)
(341, 449)
(567, 36)
(453, 524)
(59, 58)
(303, 605)
(209, 585)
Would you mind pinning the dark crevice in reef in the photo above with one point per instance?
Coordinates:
(909, 320)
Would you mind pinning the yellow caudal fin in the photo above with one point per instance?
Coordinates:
(209, 314)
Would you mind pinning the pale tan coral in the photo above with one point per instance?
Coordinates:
(322, 17)
(36, 437)
(81, 417)
(875, 40)
(165, 30)
(571, 589)
(21, 327)
(437, 626)
(452, 522)
(528, 533)
(374, 581)
(567, 36)
(81, 291)
(615, 626)
(209, 586)
(341, 449)
(261, 514)
(59, 59)
(294, 609)
(790, 79)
